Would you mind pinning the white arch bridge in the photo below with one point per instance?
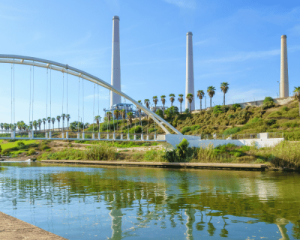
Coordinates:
(42, 63)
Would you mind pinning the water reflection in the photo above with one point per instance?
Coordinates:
(121, 203)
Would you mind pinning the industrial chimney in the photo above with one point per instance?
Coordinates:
(115, 63)
(189, 87)
(284, 76)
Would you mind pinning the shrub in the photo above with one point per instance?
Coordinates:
(268, 99)
(185, 130)
(217, 109)
(152, 130)
(270, 122)
(172, 111)
(137, 129)
(160, 113)
(20, 145)
(285, 108)
(30, 152)
(236, 106)
(195, 127)
(230, 116)
(231, 131)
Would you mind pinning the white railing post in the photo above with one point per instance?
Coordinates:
(93, 136)
(147, 137)
(99, 136)
(62, 135)
(142, 137)
(13, 134)
(107, 136)
(154, 137)
(50, 135)
(32, 134)
(134, 137)
(114, 136)
(121, 136)
(128, 137)
(83, 136)
(78, 135)
(46, 135)
(67, 135)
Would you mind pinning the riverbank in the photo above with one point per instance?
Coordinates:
(14, 229)
(230, 166)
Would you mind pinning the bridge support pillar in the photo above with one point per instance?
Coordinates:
(134, 137)
(67, 135)
(128, 137)
(99, 136)
(83, 136)
(114, 136)
(93, 136)
(50, 135)
(121, 136)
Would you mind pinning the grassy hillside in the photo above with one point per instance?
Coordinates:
(223, 121)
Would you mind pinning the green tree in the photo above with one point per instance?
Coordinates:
(297, 96)
(160, 113)
(129, 117)
(190, 97)
(172, 98)
(68, 119)
(49, 121)
(200, 95)
(224, 89)
(35, 124)
(63, 116)
(211, 92)
(44, 122)
(0, 150)
(147, 103)
(180, 99)
(40, 123)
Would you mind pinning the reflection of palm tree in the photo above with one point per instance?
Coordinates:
(211, 228)
(282, 229)
(224, 232)
(190, 213)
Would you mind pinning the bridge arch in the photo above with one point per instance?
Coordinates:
(43, 63)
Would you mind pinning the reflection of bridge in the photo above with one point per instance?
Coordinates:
(65, 69)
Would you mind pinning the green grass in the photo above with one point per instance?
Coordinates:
(15, 144)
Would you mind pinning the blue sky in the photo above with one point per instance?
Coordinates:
(234, 41)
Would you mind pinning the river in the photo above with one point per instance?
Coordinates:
(83, 202)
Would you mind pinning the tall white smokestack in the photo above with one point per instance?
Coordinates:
(284, 76)
(115, 62)
(189, 87)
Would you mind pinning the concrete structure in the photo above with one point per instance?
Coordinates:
(115, 63)
(284, 76)
(12, 229)
(189, 84)
(195, 141)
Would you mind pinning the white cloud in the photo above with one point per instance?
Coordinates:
(185, 4)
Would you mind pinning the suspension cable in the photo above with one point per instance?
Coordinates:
(32, 90)
(78, 102)
(30, 95)
(62, 106)
(83, 105)
(47, 94)
(94, 108)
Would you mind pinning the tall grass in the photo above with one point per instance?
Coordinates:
(97, 152)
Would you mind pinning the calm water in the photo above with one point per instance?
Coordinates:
(134, 203)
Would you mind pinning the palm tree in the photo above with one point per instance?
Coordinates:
(211, 92)
(180, 99)
(53, 121)
(297, 96)
(63, 120)
(2, 126)
(163, 101)
(109, 115)
(35, 124)
(172, 98)
(147, 103)
(224, 88)
(140, 110)
(129, 116)
(190, 97)
(49, 120)
(44, 122)
(200, 95)
(58, 121)
(30, 125)
(155, 100)
(68, 119)
(97, 118)
(117, 114)
(40, 123)
(123, 113)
